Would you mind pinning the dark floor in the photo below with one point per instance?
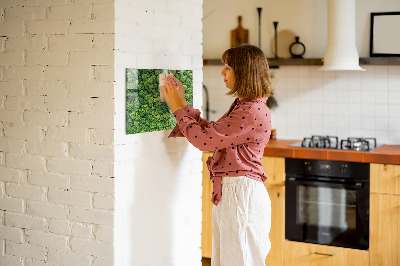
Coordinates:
(206, 261)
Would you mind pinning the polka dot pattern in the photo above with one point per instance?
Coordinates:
(238, 139)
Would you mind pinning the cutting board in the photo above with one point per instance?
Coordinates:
(239, 35)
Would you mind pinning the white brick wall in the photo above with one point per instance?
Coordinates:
(156, 177)
(56, 132)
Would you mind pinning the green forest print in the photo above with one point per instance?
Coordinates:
(144, 110)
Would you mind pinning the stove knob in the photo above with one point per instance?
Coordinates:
(343, 168)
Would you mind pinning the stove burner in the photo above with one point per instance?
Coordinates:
(328, 142)
(358, 144)
(332, 142)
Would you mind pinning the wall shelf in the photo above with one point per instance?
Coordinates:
(274, 63)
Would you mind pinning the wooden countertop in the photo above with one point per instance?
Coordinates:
(389, 154)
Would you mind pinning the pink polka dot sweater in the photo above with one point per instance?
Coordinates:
(238, 139)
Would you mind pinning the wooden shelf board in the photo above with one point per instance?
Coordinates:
(276, 62)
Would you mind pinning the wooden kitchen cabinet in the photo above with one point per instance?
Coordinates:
(385, 178)
(206, 225)
(274, 168)
(384, 237)
(305, 254)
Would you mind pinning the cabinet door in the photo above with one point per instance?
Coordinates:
(277, 233)
(206, 226)
(304, 254)
(385, 178)
(274, 168)
(384, 230)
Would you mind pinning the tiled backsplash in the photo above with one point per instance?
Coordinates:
(314, 102)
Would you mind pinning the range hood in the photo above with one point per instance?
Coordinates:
(341, 51)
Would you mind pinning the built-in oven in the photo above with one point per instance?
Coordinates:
(327, 202)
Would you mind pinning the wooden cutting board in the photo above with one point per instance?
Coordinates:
(239, 35)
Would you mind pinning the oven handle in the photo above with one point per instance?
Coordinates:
(357, 185)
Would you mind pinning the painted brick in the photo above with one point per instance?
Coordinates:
(12, 204)
(25, 103)
(25, 250)
(98, 120)
(12, 234)
(60, 227)
(24, 13)
(70, 12)
(104, 233)
(81, 73)
(11, 88)
(26, 161)
(11, 59)
(12, 145)
(91, 89)
(11, 116)
(64, 134)
(25, 221)
(46, 2)
(95, 216)
(82, 230)
(24, 73)
(103, 41)
(24, 132)
(101, 136)
(104, 169)
(97, 105)
(104, 73)
(46, 240)
(56, 103)
(69, 166)
(2, 222)
(48, 179)
(91, 247)
(46, 148)
(11, 29)
(46, 118)
(71, 42)
(92, 151)
(25, 191)
(46, 88)
(69, 197)
(44, 27)
(2, 158)
(68, 258)
(105, 260)
(21, 43)
(91, 58)
(91, 26)
(46, 58)
(93, 184)
(46, 209)
(103, 11)
(103, 202)
(11, 260)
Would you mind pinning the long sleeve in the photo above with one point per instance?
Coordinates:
(231, 130)
(193, 113)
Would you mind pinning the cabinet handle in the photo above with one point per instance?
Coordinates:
(324, 254)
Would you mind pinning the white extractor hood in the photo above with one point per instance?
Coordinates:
(341, 51)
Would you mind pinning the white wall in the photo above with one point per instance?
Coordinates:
(305, 18)
(56, 132)
(158, 180)
(344, 103)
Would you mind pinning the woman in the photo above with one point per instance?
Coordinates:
(242, 208)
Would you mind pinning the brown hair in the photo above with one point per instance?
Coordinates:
(250, 66)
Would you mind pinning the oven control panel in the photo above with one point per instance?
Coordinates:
(336, 169)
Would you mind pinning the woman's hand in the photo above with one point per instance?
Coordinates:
(174, 94)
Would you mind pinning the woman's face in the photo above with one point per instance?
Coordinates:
(229, 76)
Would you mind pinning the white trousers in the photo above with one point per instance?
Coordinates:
(241, 223)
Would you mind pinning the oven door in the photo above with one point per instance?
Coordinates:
(327, 213)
